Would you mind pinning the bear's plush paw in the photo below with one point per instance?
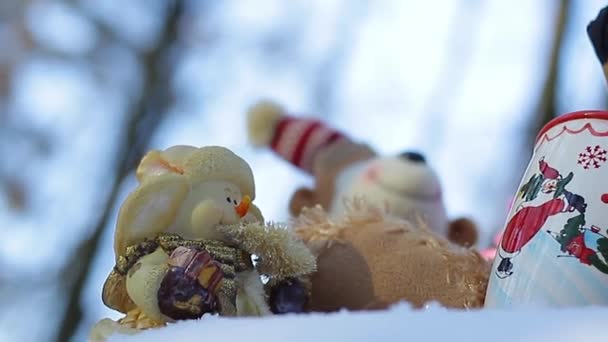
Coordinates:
(463, 232)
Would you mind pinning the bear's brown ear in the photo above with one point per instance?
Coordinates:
(463, 232)
(302, 198)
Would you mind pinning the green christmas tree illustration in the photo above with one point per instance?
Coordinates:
(530, 190)
(596, 261)
(571, 229)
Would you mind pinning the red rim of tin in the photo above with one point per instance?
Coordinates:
(582, 114)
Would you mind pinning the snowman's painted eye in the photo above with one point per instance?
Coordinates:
(234, 202)
(228, 199)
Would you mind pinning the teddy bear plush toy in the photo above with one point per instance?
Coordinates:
(376, 224)
(405, 184)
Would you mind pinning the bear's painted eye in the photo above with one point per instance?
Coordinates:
(228, 199)
(413, 156)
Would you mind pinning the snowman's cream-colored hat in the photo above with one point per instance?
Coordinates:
(199, 164)
(219, 163)
(157, 162)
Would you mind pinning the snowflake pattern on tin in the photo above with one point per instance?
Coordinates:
(592, 157)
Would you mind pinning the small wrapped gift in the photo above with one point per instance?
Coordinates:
(190, 287)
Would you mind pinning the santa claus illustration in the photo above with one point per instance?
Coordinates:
(520, 230)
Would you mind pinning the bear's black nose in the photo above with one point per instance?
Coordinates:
(413, 156)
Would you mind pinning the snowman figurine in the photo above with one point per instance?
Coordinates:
(184, 241)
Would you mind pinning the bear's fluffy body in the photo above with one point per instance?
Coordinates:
(369, 260)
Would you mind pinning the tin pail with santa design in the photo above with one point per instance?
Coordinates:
(554, 248)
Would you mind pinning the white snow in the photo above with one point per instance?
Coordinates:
(586, 324)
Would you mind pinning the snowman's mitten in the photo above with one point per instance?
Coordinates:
(288, 296)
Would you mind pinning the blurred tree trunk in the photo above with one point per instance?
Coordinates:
(546, 108)
(464, 30)
(16, 43)
(145, 116)
(330, 69)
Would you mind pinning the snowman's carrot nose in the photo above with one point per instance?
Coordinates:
(243, 207)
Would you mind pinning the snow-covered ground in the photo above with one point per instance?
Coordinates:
(389, 83)
(586, 324)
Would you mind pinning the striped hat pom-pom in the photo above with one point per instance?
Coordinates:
(295, 139)
(262, 119)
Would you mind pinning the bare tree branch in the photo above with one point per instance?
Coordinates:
(546, 107)
(139, 129)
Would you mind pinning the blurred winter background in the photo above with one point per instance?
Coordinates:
(86, 87)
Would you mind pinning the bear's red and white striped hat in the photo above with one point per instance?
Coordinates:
(295, 139)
